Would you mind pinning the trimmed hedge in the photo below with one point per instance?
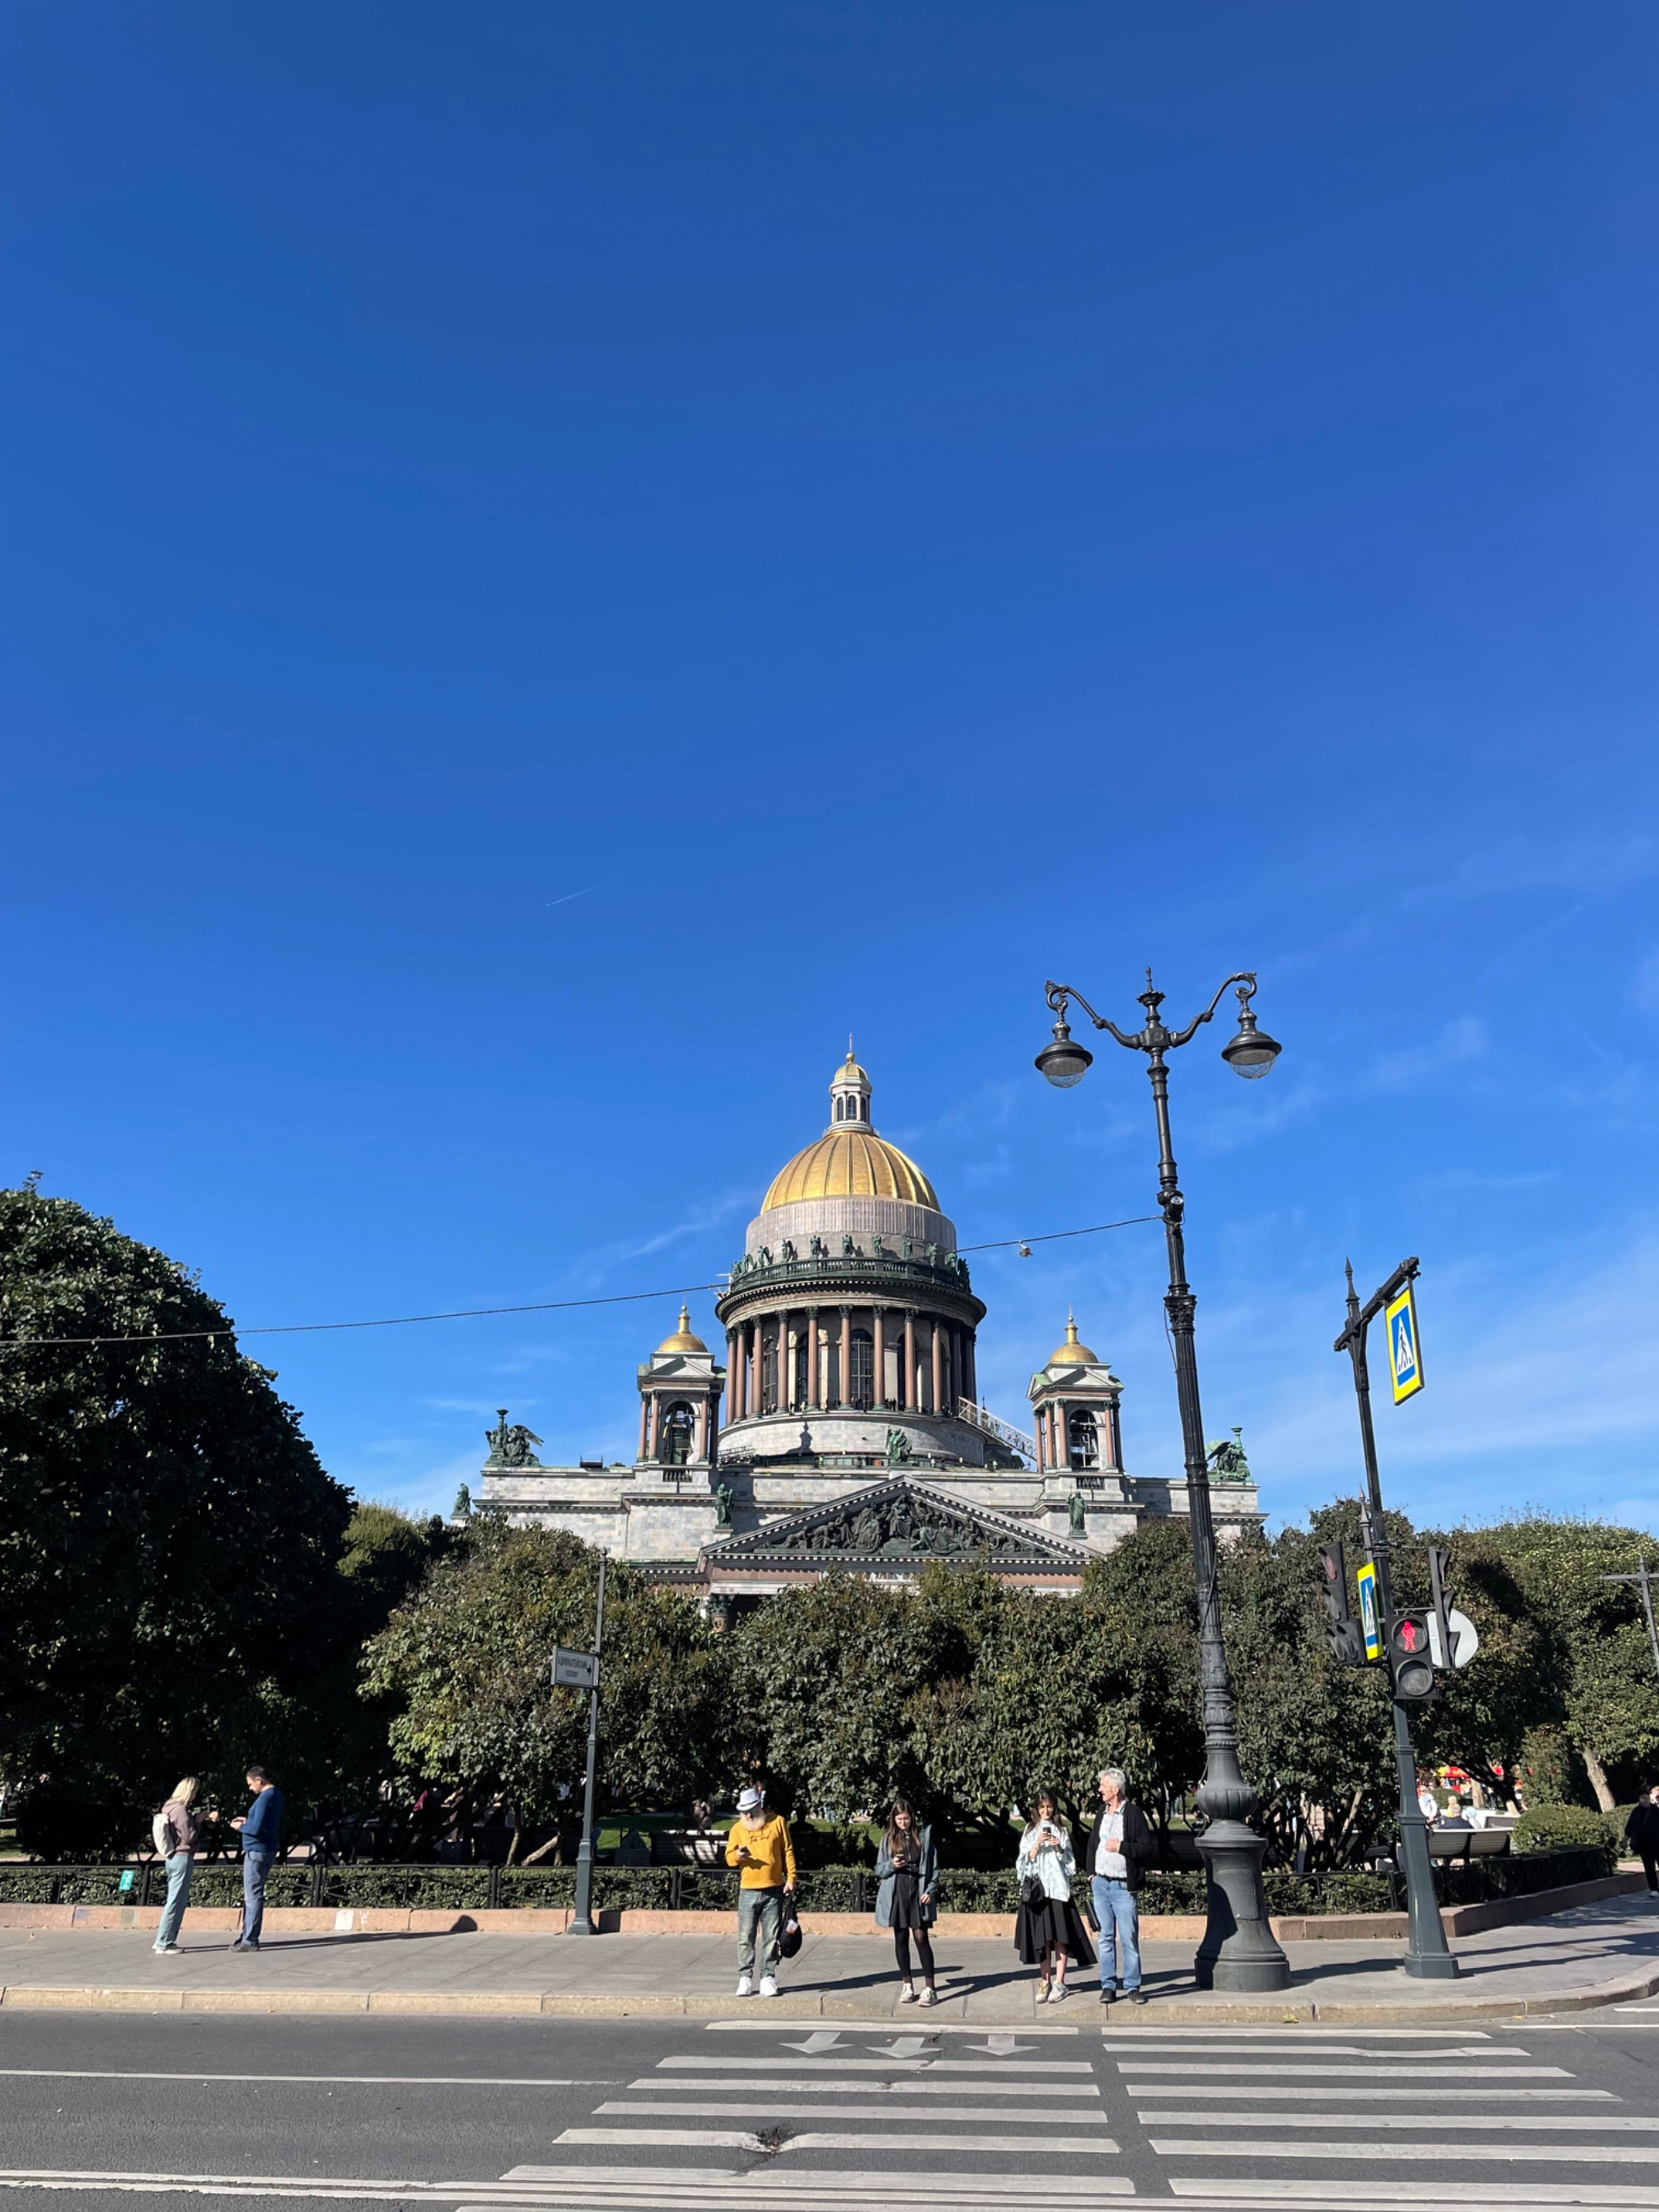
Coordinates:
(1562, 1827)
(821, 1889)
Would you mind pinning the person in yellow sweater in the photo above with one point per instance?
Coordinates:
(759, 1843)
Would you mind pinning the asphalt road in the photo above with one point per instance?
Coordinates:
(96, 2106)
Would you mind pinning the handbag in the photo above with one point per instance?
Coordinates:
(790, 1941)
(1032, 1895)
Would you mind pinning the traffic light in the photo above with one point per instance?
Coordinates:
(1409, 1663)
(1345, 1636)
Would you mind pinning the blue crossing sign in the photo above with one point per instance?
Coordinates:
(1370, 1618)
(1405, 1355)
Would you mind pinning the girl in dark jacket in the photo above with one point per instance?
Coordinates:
(908, 1870)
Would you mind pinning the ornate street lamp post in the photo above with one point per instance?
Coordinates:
(1239, 1951)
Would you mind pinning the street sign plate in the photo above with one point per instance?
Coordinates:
(1369, 1618)
(574, 1670)
(1405, 1354)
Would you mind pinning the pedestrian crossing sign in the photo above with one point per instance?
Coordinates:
(1371, 1618)
(1405, 1359)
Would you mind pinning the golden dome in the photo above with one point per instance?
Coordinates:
(850, 1163)
(1071, 1353)
(681, 1340)
(849, 1072)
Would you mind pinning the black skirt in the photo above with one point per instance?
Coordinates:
(1056, 1922)
(905, 1909)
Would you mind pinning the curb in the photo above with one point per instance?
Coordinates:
(1290, 2010)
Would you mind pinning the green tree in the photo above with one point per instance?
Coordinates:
(167, 1539)
(1593, 1657)
(464, 1670)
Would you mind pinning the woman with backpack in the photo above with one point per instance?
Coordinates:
(908, 1870)
(1049, 1926)
(174, 1829)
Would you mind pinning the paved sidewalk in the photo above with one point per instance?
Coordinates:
(1594, 1954)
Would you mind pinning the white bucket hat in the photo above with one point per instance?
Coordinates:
(750, 1800)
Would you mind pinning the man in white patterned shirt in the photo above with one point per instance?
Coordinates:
(1121, 1849)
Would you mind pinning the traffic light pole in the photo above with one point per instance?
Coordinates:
(1428, 1956)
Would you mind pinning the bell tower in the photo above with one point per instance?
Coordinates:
(680, 1389)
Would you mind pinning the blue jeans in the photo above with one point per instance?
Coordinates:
(1120, 1917)
(180, 1866)
(256, 1864)
(764, 1907)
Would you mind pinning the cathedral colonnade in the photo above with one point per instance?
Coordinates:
(854, 1357)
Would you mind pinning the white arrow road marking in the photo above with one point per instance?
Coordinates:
(907, 2046)
(1001, 2046)
(822, 2039)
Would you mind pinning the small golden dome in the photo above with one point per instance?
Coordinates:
(1071, 1353)
(681, 1340)
(850, 1163)
(849, 1072)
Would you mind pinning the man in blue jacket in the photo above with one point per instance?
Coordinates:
(260, 1828)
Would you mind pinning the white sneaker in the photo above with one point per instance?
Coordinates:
(907, 1995)
(745, 1986)
(929, 1996)
(768, 1987)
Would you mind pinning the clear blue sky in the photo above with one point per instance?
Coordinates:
(558, 559)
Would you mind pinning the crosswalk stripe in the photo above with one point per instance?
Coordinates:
(1258, 2032)
(981, 2068)
(889, 2027)
(1319, 2196)
(1137, 2046)
(1349, 2153)
(912, 2086)
(1536, 2121)
(726, 2138)
(830, 2180)
(1214, 2090)
(1018, 2113)
(1355, 2073)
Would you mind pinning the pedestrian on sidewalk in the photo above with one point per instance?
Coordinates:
(259, 1828)
(760, 1845)
(1048, 1926)
(1121, 1849)
(1642, 1833)
(907, 1867)
(175, 1830)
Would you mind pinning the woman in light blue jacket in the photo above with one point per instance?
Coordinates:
(907, 1902)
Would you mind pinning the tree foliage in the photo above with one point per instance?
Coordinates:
(167, 1539)
(464, 1668)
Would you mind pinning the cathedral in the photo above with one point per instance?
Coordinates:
(844, 1427)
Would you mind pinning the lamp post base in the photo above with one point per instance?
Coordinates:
(1239, 1950)
(1431, 1966)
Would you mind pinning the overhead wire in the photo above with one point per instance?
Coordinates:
(476, 1313)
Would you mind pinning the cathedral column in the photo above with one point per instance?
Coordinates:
(700, 1432)
(1036, 1430)
(907, 1380)
(938, 1350)
(845, 1395)
(752, 1396)
(645, 1424)
(734, 1385)
(814, 1381)
(1115, 1434)
(969, 1375)
(878, 1334)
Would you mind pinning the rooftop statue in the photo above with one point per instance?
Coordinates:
(510, 1447)
(1227, 1461)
